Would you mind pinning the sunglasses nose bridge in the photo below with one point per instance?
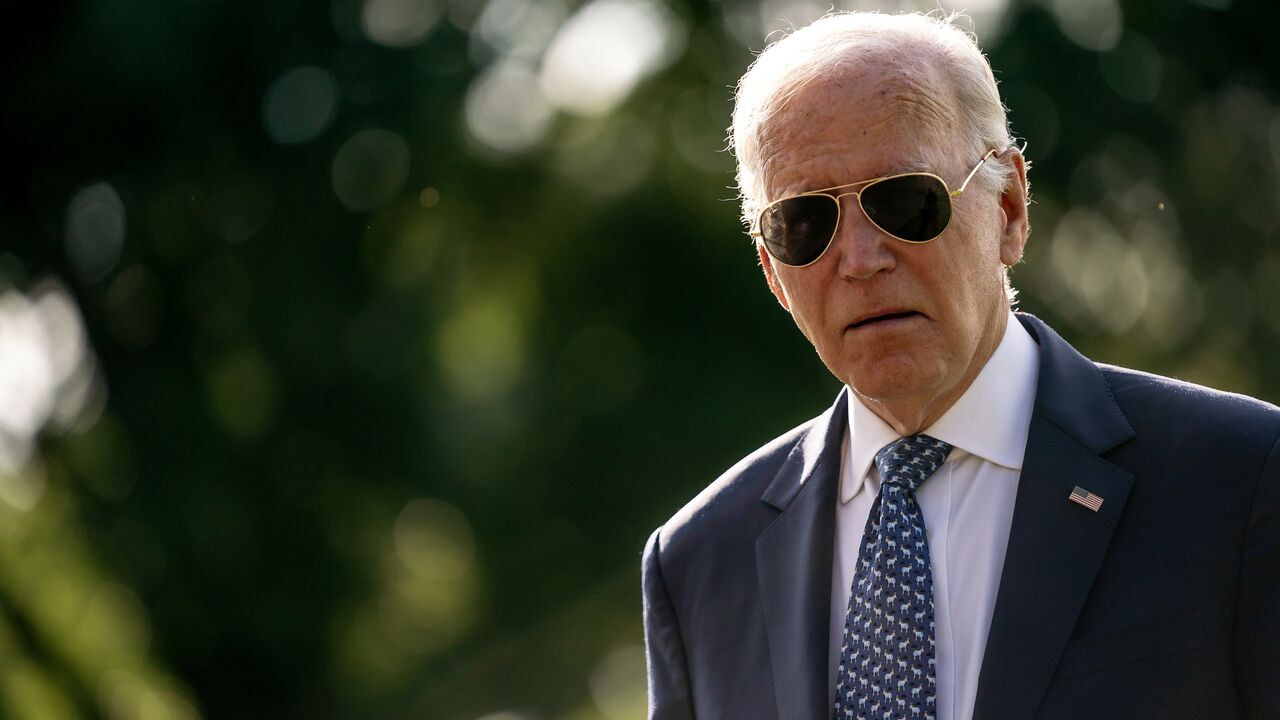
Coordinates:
(862, 248)
(845, 216)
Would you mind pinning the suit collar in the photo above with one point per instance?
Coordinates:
(819, 447)
(1072, 394)
(793, 566)
(1055, 546)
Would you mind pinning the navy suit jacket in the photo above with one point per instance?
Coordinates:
(1163, 604)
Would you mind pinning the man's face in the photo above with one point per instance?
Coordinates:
(906, 326)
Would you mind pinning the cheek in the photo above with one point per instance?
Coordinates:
(976, 267)
(808, 317)
(808, 308)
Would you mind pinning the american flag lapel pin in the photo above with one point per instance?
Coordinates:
(1080, 496)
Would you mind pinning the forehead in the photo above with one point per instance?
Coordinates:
(856, 123)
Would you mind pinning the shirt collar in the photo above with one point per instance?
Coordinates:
(991, 419)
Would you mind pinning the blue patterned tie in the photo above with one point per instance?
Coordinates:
(886, 662)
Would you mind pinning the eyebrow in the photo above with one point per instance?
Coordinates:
(910, 167)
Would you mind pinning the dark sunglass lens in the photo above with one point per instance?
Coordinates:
(798, 229)
(915, 208)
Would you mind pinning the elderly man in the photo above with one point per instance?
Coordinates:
(985, 524)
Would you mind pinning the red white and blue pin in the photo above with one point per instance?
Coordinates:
(1080, 496)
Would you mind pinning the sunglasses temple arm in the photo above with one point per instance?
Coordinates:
(973, 172)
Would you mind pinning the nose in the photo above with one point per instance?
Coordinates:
(861, 248)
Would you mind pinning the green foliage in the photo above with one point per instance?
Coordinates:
(398, 342)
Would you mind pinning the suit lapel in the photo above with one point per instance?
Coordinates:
(1055, 546)
(793, 563)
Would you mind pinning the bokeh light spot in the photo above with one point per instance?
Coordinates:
(114, 621)
(401, 241)
(783, 16)
(516, 28)
(754, 23)
(617, 683)
(434, 541)
(605, 49)
(27, 379)
(95, 231)
(423, 616)
(46, 369)
(400, 23)
(127, 695)
(481, 348)
(1092, 24)
(63, 328)
(505, 109)
(426, 599)
(242, 393)
(1100, 269)
(21, 489)
(366, 654)
(1133, 69)
(606, 156)
(300, 105)
(370, 168)
(28, 690)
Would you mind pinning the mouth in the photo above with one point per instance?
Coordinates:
(884, 318)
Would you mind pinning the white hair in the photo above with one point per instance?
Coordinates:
(842, 39)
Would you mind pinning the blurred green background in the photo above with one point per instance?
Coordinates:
(350, 350)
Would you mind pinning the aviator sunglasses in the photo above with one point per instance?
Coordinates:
(914, 207)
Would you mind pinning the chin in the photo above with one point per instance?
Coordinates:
(890, 379)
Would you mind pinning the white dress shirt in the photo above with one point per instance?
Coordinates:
(967, 507)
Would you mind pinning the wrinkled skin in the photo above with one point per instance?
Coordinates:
(858, 124)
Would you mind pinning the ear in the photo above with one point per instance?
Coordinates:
(771, 276)
(1013, 206)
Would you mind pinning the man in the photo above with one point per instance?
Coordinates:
(985, 524)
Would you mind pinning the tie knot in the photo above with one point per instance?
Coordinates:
(909, 461)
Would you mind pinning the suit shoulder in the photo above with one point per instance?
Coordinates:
(732, 499)
(1138, 385)
(1147, 398)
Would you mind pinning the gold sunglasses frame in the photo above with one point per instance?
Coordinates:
(827, 192)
